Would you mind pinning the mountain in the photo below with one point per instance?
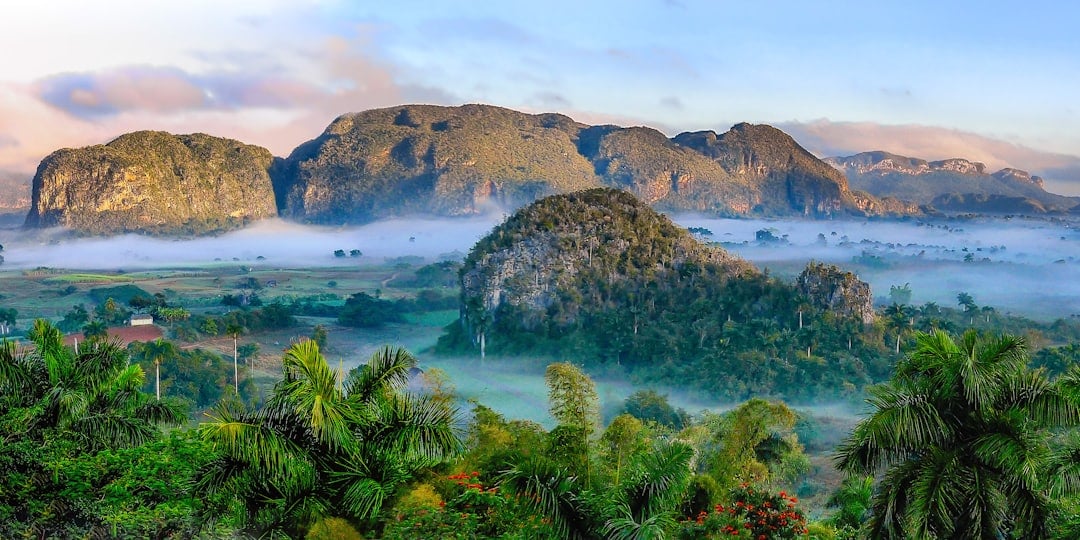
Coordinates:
(462, 160)
(154, 182)
(955, 185)
(432, 160)
(14, 192)
(599, 277)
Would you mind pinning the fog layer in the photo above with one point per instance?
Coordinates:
(1017, 265)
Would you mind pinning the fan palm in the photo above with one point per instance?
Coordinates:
(319, 449)
(92, 396)
(962, 430)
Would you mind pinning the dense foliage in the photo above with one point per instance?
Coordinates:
(964, 430)
(321, 447)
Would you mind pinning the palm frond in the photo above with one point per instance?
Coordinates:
(903, 421)
(311, 391)
(418, 428)
(550, 491)
(624, 527)
(17, 375)
(1064, 467)
(247, 439)
(1008, 445)
(113, 430)
(660, 478)
(387, 370)
(936, 494)
(889, 519)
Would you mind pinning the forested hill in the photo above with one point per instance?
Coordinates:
(600, 278)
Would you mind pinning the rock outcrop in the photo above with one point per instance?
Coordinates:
(832, 289)
(155, 183)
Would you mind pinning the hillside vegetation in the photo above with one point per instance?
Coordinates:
(600, 278)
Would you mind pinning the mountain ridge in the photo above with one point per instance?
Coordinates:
(955, 184)
(465, 160)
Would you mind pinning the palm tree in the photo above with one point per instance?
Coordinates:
(92, 396)
(963, 431)
(234, 330)
(95, 330)
(316, 449)
(642, 505)
(158, 351)
(896, 317)
(853, 501)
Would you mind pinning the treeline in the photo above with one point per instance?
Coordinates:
(84, 454)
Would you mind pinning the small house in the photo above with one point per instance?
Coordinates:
(141, 319)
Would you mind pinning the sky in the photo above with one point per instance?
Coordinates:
(997, 82)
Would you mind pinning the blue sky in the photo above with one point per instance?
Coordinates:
(993, 81)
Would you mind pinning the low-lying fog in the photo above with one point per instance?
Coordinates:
(1024, 266)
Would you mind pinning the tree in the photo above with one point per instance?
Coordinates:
(651, 405)
(70, 426)
(898, 319)
(962, 429)
(92, 397)
(158, 350)
(7, 320)
(319, 335)
(852, 501)
(900, 294)
(573, 403)
(756, 442)
(319, 449)
(95, 330)
(234, 331)
(967, 302)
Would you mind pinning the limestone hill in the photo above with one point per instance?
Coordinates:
(153, 182)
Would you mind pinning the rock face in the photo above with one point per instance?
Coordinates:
(786, 176)
(830, 288)
(957, 185)
(573, 245)
(462, 160)
(156, 183)
(422, 159)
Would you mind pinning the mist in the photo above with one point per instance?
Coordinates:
(1021, 266)
(271, 242)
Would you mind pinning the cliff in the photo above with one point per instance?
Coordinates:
(155, 183)
(832, 289)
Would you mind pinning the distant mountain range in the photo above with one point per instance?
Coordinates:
(951, 185)
(455, 161)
